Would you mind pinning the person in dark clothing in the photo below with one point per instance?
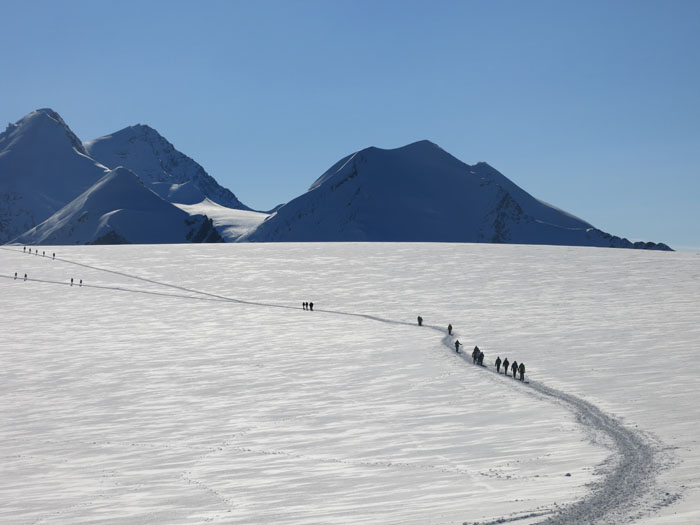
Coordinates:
(303, 306)
(311, 306)
(420, 321)
(514, 368)
(15, 276)
(25, 249)
(25, 276)
(498, 364)
(457, 345)
(71, 281)
(475, 354)
(449, 329)
(81, 282)
(54, 256)
(480, 359)
(521, 370)
(505, 366)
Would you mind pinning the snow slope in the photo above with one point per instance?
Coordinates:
(230, 223)
(174, 176)
(119, 209)
(43, 166)
(421, 193)
(255, 411)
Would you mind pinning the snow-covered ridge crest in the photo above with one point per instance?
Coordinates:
(41, 117)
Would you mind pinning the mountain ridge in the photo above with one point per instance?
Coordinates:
(415, 193)
(421, 193)
(43, 166)
(120, 209)
(172, 174)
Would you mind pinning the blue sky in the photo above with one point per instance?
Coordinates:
(592, 106)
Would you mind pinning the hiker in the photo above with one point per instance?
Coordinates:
(81, 282)
(311, 306)
(457, 344)
(15, 276)
(420, 321)
(498, 364)
(25, 276)
(475, 354)
(303, 306)
(25, 249)
(480, 359)
(43, 254)
(449, 329)
(505, 366)
(521, 369)
(71, 281)
(514, 368)
(54, 255)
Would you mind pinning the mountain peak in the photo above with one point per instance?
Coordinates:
(44, 123)
(421, 146)
(170, 173)
(43, 166)
(422, 193)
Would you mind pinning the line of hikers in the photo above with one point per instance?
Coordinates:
(43, 254)
(308, 306)
(514, 367)
(36, 252)
(478, 357)
(71, 280)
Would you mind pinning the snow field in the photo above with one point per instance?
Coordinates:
(232, 223)
(126, 407)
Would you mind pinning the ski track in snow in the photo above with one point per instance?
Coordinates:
(616, 499)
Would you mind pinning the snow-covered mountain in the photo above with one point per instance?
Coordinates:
(421, 193)
(171, 174)
(120, 209)
(43, 166)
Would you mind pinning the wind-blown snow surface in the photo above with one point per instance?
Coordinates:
(127, 401)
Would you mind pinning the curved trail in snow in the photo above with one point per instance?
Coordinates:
(616, 499)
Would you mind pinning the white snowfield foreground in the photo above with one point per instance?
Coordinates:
(185, 384)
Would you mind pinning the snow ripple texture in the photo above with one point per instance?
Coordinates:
(140, 398)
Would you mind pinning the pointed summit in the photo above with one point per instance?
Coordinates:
(171, 174)
(43, 166)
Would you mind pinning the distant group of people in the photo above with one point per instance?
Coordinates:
(308, 306)
(514, 367)
(53, 257)
(36, 252)
(478, 357)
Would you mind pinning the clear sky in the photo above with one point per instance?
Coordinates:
(593, 106)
